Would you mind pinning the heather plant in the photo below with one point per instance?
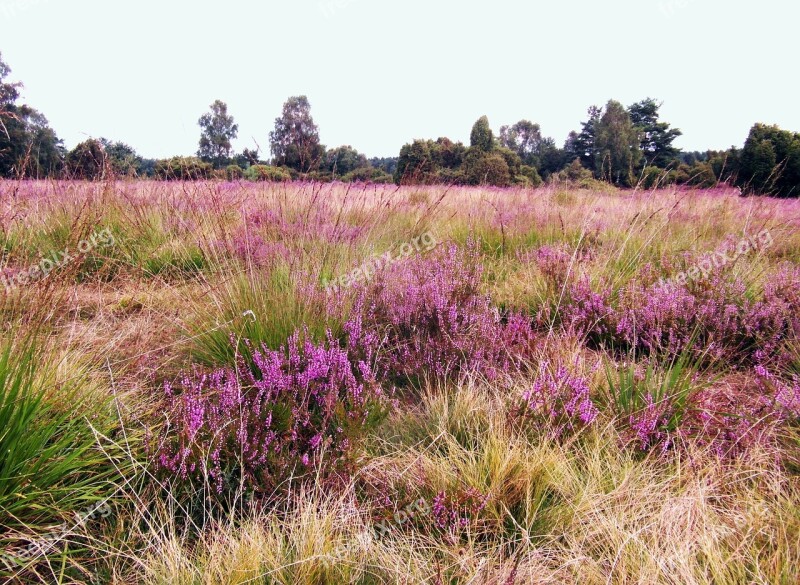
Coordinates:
(558, 402)
(293, 411)
(434, 322)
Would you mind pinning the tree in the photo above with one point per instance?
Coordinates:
(524, 138)
(217, 129)
(616, 146)
(343, 160)
(770, 162)
(481, 136)
(582, 145)
(28, 146)
(295, 140)
(123, 160)
(487, 168)
(656, 137)
(417, 164)
(88, 161)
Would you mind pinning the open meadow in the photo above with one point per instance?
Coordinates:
(319, 383)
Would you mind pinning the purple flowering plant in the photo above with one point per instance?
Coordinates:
(287, 413)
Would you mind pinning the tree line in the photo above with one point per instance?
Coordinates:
(625, 146)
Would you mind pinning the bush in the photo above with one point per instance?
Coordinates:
(573, 173)
(487, 169)
(234, 173)
(267, 173)
(653, 177)
(435, 322)
(528, 176)
(368, 175)
(87, 161)
(270, 420)
(181, 168)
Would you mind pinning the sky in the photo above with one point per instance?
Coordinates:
(381, 73)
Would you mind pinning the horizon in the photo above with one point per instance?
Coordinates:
(383, 108)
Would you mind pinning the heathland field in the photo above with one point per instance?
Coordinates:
(302, 383)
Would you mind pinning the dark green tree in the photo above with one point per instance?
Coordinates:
(487, 168)
(343, 160)
(88, 161)
(217, 130)
(417, 164)
(295, 139)
(28, 146)
(770, 162)
(123, 160)
(581, 145)
(481, 136)
(656, 137)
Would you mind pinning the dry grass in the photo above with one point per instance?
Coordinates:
(587, 510)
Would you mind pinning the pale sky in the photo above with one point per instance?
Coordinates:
(380, 73)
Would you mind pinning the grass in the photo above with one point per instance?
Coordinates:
(84, 354)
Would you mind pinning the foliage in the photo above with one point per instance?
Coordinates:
(482, 168)
(180, 168)
(87, 161)
(770, 162)
(295, 139)
(217, 129)
(343, 160)
(298, 411)
(481, 137)
(267, 173)
(28, 146)
(616, 146)
(524, 138)
(367, 175)
(656, 137)
(122, 159)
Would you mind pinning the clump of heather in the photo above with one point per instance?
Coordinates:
(718, 317)
(590, 314)
(434, 323)
(785, 398)
(561, 402)
(451, 513)
(278, 417)
(660, 319)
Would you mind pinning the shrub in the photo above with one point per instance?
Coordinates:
(267, 173)
(368, 175)
(560, 402)
(181, 168)
(234, 173)
(487, 169)
(272, 419)
(434, 322)
(531, 175)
